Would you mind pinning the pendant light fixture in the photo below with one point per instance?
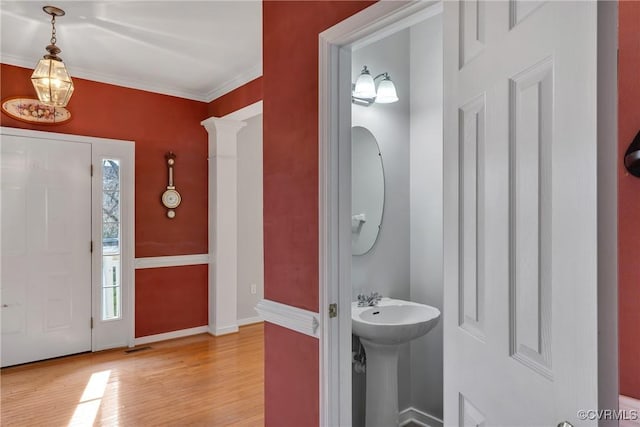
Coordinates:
(364, 90)
(50, 78)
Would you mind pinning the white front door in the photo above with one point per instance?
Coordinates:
(520, 313)
(46, 258)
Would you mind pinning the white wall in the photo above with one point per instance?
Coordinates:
(250, 235)
(385, 268)
(426, 208)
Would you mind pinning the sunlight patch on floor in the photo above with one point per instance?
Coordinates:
(87, 410)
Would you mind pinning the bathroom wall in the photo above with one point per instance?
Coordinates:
(385, 268)
(426, 208)
(250, 236)
(406, 261)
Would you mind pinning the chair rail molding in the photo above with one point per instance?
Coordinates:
(171, 261)
(290, 317)
(223, 223)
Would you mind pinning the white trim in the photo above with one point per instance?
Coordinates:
(246, 113)
(172, 335)
(249, 321)
(607, 155)
(171, 261)
(222, 208)
(59, 136)
(334, 126)
(290, 317)
(399, 25)
(416, 416)
(82, 73)
(197, 95)
(233, 84)
(223, 330)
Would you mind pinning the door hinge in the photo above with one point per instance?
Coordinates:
(91, 246)
(92, 323)
(333, 310)
(91, 169)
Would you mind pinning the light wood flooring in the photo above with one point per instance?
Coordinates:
(197, 380)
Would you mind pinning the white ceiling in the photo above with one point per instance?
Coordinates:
(192, 49)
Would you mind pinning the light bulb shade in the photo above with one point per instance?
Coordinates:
(386, 92)
(365, 86)
(52, 83)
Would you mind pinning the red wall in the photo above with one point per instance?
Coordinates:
(290, 71)
(629, 199)
(180, 287)
(157, 123)
(247, 94)
(290, 120)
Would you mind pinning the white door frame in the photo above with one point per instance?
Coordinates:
(336, 43)
(103, 147)
(335, 46)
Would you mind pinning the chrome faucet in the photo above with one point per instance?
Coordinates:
(369, 300)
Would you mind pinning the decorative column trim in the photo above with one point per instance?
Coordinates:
(223, 223)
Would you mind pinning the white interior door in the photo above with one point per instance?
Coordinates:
(520, 212)
(46, 259)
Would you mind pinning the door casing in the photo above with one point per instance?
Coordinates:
(106, 148)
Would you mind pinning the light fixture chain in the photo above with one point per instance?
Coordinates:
(53, 29)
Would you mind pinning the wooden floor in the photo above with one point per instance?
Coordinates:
(198, 380)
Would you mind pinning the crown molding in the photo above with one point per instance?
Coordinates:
(228, 86)
(234, 83)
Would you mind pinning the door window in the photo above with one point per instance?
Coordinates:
(111, 263)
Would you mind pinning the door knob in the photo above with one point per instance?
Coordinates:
(5, 305)
(565, 424)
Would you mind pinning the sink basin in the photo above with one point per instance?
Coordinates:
(381, 330)
(393, 321)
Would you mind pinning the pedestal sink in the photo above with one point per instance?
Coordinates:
(382, 328)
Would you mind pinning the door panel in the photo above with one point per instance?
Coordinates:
(46, 261)
(520, 311)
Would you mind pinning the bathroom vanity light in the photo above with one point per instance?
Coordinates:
(50, 78)
(364, 90)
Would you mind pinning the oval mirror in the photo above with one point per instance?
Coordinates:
(367, 190)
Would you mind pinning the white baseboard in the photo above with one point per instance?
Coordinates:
(631, 408)
(250, 321)
(416, 416)
(195, 331)
(223, 330)
(171, 335)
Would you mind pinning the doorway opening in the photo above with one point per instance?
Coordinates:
(396, 212)
(510, 96)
